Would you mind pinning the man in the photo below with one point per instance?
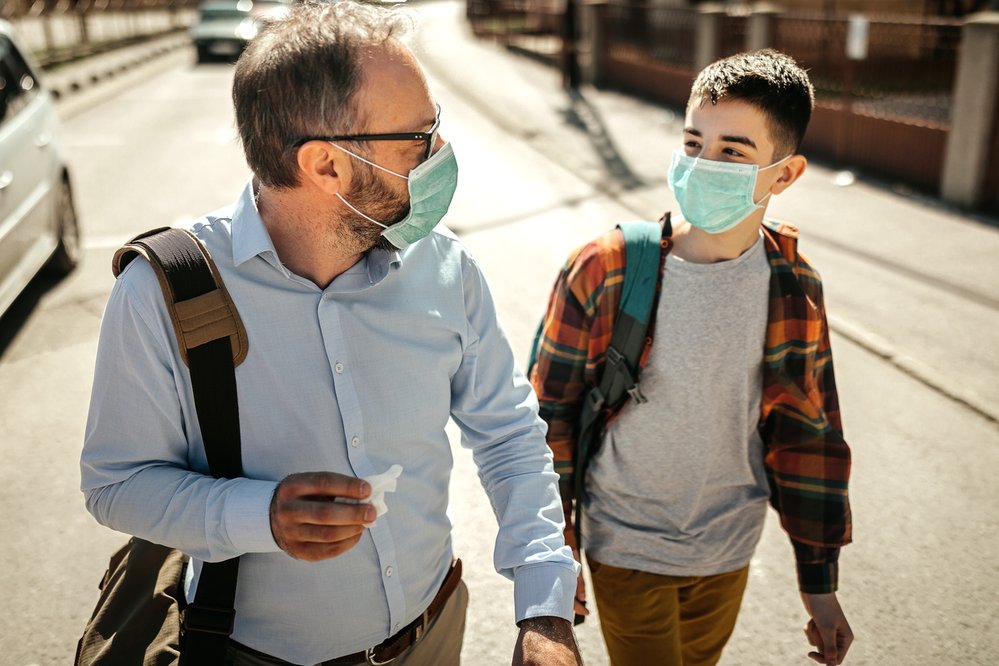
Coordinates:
(742, 405)
(368, 326)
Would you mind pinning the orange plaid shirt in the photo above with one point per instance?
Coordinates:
(806, 457)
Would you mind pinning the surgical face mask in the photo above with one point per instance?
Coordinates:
(431, 188)
(715, 196)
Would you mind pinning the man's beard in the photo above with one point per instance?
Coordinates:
(372, 197)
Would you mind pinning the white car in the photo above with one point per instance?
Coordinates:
(38, 225)
(225, 27)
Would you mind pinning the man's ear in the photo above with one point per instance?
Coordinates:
(790, 171)
(321, 166)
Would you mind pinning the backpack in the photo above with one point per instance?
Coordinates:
(619, 379)
(141, 615)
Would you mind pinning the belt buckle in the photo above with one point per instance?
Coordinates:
(369, 656)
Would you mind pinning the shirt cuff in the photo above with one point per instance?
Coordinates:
(818, 578)
(544, 590)
(818, 568)
(248, 516)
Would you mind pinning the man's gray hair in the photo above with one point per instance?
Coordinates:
(298, 79)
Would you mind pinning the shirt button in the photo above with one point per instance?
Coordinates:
(388, 571)
(355, 440)
(338, 367)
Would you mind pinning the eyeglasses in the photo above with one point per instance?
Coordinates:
(429, 138)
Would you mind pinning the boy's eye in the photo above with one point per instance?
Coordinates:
(733, 152)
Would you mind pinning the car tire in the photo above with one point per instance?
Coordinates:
(203, 54)
(67, 253)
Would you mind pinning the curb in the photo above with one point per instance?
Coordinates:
(912, 367)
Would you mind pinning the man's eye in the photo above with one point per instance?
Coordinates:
(733, 152)
(692, 144)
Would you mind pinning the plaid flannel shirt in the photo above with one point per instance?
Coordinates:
(806, 458)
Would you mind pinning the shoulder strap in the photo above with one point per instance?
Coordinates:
(212, 342)
(619, 379)
(641, 272)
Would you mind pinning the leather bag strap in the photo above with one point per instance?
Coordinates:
(212, 342)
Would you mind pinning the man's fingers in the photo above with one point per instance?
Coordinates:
(324, 484)
(314, 552)
(302, 511)
(324, 533)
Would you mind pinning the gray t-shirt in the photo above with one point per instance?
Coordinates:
(678, 487)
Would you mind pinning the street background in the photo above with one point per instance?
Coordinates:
(912, 288)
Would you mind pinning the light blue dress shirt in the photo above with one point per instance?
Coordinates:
(353, 378)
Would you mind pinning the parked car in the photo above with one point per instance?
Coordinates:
(225, 27)
(38, 224)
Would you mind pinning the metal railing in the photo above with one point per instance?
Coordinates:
(64, 30)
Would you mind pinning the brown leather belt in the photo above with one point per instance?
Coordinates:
(393, 646)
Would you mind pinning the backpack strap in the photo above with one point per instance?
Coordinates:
(212, 342)
(618, 381)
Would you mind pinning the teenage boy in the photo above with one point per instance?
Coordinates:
(742, 405)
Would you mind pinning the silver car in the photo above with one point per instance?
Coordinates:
(225, 27)
(38, 225)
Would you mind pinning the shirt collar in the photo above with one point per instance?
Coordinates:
(250, 239)
(249, 235)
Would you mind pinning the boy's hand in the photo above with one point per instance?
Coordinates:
(579, 603)
(827, 629)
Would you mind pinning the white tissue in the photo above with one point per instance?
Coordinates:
(381, 484)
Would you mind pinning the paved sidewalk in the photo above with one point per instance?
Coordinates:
(901, 268)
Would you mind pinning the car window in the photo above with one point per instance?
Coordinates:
(17, 83)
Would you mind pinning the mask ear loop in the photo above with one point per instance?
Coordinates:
(369, 219)
(771, 166)
(377, 166)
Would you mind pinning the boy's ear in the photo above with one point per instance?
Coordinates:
(790, 171)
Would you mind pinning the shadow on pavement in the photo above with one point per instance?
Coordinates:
(583, 115)
(14, 319)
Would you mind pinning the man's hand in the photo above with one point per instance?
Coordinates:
(546, 641)
(828, 629)
(307, 523)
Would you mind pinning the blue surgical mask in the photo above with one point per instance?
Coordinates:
(715, 196)
(431, 188)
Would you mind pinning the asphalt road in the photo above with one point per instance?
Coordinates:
(919, 584)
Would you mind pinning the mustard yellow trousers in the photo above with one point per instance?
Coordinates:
(653, 620)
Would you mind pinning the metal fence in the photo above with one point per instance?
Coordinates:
(908, 73)
(888, 114)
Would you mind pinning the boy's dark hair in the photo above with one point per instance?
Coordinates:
(769, 80)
